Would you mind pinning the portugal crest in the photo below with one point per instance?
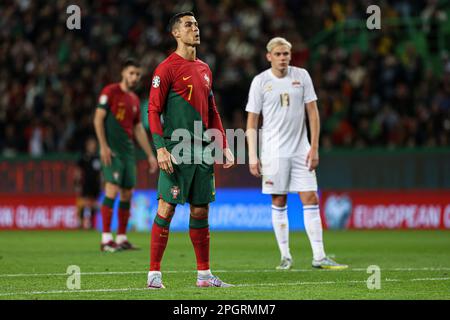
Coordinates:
(175, 191)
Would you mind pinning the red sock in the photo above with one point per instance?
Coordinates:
(124, 215)
(106, 218)
(160, 236)
(200, 241)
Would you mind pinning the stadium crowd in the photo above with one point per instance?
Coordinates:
(50, 76)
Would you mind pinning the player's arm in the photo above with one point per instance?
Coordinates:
(142, 139)
(216, 123)
(253, 108)
(158, 95)
(252, 141)
(312, 159)
(99, 125)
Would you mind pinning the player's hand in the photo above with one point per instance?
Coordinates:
(312, 159)
(105, 155)
(153, 163)
(164, 160)
(255, 168)
(229, 158)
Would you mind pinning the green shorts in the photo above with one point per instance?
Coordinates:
(193, 183)
(121, 172)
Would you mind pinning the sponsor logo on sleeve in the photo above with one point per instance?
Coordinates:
(103, 99)
(156, 81)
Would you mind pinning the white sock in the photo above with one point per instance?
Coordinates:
(313, 226)
(204, 274)
(106, 237)
(121, 238)
(153, 273)
(280, 224)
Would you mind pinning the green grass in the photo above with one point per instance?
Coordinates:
(414, 265)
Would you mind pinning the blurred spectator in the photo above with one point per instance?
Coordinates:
(383, 95)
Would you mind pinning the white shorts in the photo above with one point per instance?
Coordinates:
(287, 175)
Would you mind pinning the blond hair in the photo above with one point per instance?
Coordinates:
(277, 41)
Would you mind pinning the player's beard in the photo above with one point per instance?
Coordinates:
(195, 41)
(130, 85)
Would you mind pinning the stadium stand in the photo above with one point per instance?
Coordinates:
(388, 89)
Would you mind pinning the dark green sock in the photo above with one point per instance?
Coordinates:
(108, 202)
(162, 222)
(198, 223)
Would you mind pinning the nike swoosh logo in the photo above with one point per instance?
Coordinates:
(186, 78)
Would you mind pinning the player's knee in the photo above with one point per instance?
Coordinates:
(111, 190)
(309, 198)
(199, 212)
(165, 209)
(279, 200)
(125, 194)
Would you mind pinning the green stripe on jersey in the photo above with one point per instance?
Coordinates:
(158, 141)
(118, 139)
(179, 114)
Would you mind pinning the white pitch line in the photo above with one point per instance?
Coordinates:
(70, 291)
(100, 273)
(292, 283)
(430, 279)
(335, 282)
(2, 294)
(408, 269)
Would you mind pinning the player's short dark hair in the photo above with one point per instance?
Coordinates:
(130, 62)
(176, 18)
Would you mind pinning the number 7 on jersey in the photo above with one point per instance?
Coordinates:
(191, 87)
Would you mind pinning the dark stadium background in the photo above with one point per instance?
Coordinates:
(384, 95)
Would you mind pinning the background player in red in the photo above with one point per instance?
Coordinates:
(181, 94)
(117, 120)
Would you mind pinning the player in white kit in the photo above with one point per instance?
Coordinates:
(288, 161)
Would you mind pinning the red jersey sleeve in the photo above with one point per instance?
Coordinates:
(104, 99)
(214, 117)
(161, 82)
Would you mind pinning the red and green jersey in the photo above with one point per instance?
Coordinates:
(181, 94)
(123, 113)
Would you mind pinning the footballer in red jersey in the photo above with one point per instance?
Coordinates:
(117, 120)
(181, 96)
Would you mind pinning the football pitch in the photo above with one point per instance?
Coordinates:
(413, 265)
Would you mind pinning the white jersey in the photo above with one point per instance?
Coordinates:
(282, 103)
